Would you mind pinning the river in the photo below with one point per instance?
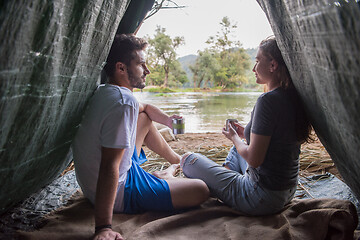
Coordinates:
(204, 112)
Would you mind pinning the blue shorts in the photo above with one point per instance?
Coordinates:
(143, 191)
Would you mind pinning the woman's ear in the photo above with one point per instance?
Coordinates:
(273, 65)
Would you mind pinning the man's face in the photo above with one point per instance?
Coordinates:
(138, 70)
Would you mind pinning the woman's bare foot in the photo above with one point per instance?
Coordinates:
(167, 173)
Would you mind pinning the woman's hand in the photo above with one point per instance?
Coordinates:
(239, 129)
(107, 234)
(231, 134)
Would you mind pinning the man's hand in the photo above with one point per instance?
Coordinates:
(169, 122)
(107, 234)
(157, 115)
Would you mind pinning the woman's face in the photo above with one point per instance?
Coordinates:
(263, 68)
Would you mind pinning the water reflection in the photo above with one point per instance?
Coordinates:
(204, 112)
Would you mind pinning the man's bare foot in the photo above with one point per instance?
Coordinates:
(167, 173)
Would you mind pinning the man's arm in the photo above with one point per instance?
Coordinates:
(106, 191)
(156, 114)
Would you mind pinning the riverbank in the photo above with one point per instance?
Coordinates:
(158, 89)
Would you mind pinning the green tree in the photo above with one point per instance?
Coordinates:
(232, 58)
(205, 69)
(177, 75)
(157, 75)
(222, 41)
(162, 52)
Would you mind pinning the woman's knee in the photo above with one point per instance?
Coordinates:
(190, 159)
(195, 165)
(184, 158)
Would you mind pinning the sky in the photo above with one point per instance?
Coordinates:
(201, 19)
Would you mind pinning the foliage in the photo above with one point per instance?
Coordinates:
(177, 75)
(160, 90)
(156, 78)
(222, 40)
(162, 60)
(224, 63)
(205, 69)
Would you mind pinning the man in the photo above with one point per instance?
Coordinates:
(107, 147)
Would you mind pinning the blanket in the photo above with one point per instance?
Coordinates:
(301, 219)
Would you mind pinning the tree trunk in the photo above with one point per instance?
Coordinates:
(166, 70)
(194, 79)
(166, 80)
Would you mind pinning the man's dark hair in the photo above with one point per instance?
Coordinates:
(122, 50)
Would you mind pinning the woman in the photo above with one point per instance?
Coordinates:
(260, 176)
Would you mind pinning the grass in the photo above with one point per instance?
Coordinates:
(155, 89)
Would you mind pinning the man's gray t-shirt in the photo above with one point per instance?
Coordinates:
(274, 115)
(110, 121)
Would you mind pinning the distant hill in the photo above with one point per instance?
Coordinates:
(185, 62)
(189, 60)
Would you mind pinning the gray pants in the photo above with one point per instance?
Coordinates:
(237, 187)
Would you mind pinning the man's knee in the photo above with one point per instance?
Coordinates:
(144, 120)
(202, 190)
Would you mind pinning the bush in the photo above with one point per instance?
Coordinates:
(160, 90)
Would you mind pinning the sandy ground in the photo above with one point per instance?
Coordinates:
(314, 158)
(195, 141)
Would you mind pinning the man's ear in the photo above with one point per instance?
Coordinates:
(119, 66)
(273, 65)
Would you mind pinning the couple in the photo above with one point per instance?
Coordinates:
(258, 177)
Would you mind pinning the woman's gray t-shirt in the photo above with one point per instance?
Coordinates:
(274, 115)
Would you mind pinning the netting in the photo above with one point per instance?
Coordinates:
(320, 42)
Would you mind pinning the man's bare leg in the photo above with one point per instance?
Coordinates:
(147, 134)
(184, 192)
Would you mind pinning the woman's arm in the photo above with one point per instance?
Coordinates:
(255, 153)
(157, 115)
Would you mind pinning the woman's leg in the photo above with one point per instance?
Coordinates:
(235, 189)
(234, 161)
(229, 186)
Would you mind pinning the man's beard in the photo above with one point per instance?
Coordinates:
(136, 82)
